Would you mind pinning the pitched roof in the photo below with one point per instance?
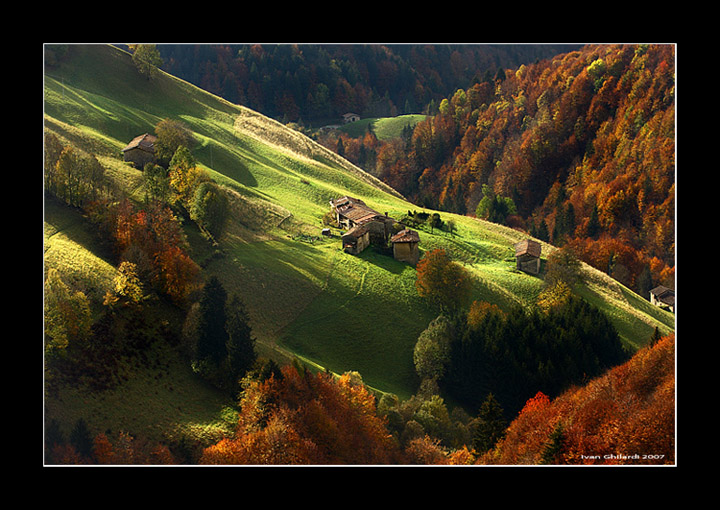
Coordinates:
(356, 232)
(354, 209)
(406, 236)
(664, 294)
(528, 247)
(144, 142)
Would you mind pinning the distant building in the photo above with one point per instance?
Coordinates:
(663, 297)
(350, 117)
(141, 150)
(405, 246)
(527, 256)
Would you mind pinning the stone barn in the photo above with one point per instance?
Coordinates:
(141, 150)
(405, 246)
(355, 240)
(663, 297)
(527, 256)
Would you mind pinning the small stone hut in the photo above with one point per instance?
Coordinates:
(355, 240)
(663, 297)
(405, 246)
(141, 150)
(527, 256)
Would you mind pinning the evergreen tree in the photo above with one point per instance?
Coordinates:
(53, 437)
(645, 282)
(593, 228)
(490, 425)
(655, 337)
(240, 342)
(81, 438)
(542, 231)
(212, 336)
(552, 453)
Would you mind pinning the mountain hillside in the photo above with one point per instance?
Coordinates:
(318, 83)
(582, 143)
(305, 297)
(627, 416)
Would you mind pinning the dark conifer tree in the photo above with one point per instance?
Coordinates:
(552, 454)
(212, 336)
(240, 342)
(81, 438)
(490, 425)
(594, 227)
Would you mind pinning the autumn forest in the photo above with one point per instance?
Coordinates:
(582, 148)
(213, 286)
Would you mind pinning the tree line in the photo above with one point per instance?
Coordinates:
(292, 416)
(307, 83)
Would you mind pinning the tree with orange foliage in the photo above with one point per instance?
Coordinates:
(156, 233)
(128, 451)
(304, 418)
(445, 284)
(103, 450)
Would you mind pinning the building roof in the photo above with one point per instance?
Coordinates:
(144, 142)
(356, 232)
(664, 295)
(406, 236)
(528, 247)
(354, 209)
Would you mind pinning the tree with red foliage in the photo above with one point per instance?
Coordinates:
(155, 232)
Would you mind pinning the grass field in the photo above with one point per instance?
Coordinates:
(305, 299)
(385, 128)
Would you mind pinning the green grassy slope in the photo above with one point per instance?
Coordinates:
(305, 299)
(384, 127)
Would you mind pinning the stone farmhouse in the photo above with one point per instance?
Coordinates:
(365, 226)
(527, 256)
(663, 297)
(405, 246)
(141, 150)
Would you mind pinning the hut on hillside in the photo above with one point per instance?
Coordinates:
(405, 246)
(663, 297)
(527, 256)
(350, 117)
(355, 240)
(141, 150)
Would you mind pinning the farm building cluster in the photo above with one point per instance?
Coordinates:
(366, 227)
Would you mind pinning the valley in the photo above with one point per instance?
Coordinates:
(307, 300)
